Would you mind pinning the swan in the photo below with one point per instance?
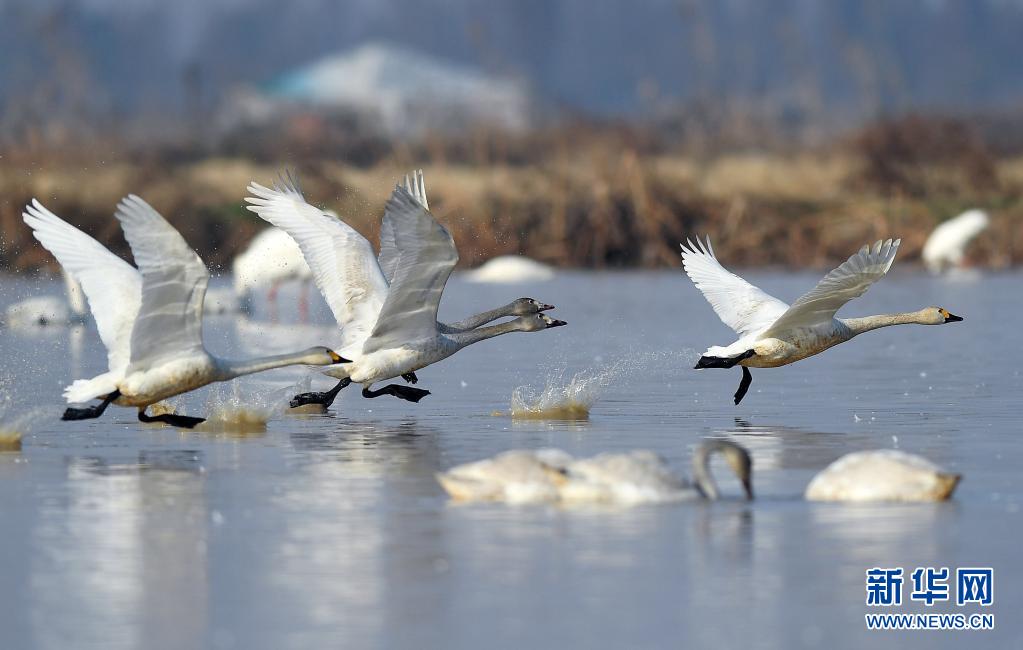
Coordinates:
(551, 475)
(882, 475)
(507, 269)
(150, 318)
(946, 245)
(44, 311)
(271, 258)
(773, 334)
(386, 307)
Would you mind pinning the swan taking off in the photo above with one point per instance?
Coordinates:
(551, 475)
(882, 475)
(271, 259)
(946, 246)
(150, 318)
(773, 334)
(386, 306)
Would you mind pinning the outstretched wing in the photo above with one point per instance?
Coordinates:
(388, 258)
(848, 281)
(341, 259)
(112, 286)
(426, 257)
(739, 304)
(174, 280)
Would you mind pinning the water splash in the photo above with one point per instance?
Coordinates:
(229, 412)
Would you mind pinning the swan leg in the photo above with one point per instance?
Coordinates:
(173, 419)
(90, 412)
(747, 379)
(326, 398)
(410, 377)
(723, 362)
(406, 393)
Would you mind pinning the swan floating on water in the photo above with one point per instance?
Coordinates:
(47, 311)
(271, 259)
(772, 333)
(509, 269)
(882, 475)
(150, 318)
(551, 475)
(946, 246)
(387, 306)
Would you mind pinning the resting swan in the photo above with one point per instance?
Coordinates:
(150, 318)
(946, 245)
(773, 334)
(271, 258)
(386, 307)
(882, 475)
(551, 475)
(46, 311)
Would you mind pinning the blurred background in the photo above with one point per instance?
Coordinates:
(581, 134)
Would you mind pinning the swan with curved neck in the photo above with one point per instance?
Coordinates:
(149, 318)
(772, 333)
(386, 305)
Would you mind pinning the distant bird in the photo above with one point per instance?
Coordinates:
(551, 475)
(882, 475)
(46, 311)
(508, 269)
(773, 334)
(150, 318)
(387, 308)
(271, 259)
(946, 246)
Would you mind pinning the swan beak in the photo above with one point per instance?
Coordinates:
(556, 323)
(747, 487)
(337, 358)
(952, 318)
(545, 307)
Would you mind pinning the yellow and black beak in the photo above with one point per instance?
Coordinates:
(337, 358)
(950, 318)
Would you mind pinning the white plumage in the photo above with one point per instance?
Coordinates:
(510, 269)
(271, 259)
(882, 475)
(946, 246)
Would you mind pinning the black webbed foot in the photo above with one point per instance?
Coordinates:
(747, 379)
(173, 419)
(723, 362)
(90, 412)
(410, 377)
(406, 393)
(325, 398)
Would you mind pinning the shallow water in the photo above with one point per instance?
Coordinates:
(330, 530)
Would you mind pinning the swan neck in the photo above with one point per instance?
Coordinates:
(701, 472)
(231, 368)
(463, 339)
(867, 323)
(482, 318)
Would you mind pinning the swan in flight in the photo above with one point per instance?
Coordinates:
(150, 318)
(946, 246)
(271, 259)
(45, 311)
(551, 475)
(882, 475)
(386, 306)
(773, 334)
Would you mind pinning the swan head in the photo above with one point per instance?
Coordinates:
(939, 316)
(527, 306)
(324, 356)
(537, 322)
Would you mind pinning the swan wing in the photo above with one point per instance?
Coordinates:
(342, 261)
(426, 257)
(174, 278)
(112, 286)
(739, 304)
(848, 281)
(388, 258)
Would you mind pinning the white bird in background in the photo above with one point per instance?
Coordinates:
(946, 246)
(882, 475)
(510, 269)
(387, 308)
(150, 318)
(551, 475)
(45, 311)
(271, 259)
(772, 333)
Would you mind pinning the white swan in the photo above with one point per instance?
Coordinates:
(150, 318)
(773, 334)
(271, 258)
(882, 475)
(508, 269)
(946, 245)
(387, 308)
(45, 311)
(551, 475)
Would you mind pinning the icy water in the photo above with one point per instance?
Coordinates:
(331, 531)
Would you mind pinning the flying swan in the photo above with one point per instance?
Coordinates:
(150, 318)
(773, 334)
(386, 306)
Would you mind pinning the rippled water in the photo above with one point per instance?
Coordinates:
(330, 530)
